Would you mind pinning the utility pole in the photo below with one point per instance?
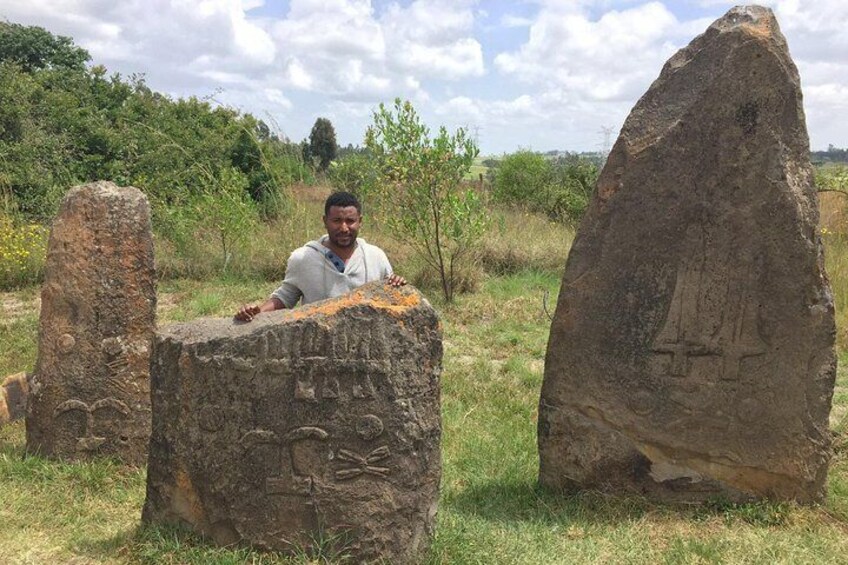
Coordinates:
(606, 131)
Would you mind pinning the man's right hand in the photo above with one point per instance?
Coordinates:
(247, 312)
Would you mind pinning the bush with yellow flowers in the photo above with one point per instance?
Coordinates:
(23, 248)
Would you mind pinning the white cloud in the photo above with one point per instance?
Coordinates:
(344, 48)
(277, 98)
(510, 20)
(298, 76)
(432, 38)
(612, 58)
(583, 64)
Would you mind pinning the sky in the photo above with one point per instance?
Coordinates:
(534, 74)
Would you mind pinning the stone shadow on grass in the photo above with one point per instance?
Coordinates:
(517, 501)
(520, 501)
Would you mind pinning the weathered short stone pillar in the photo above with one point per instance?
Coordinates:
(90, 391)
(320, 422)
(691, 354)
(14, 390)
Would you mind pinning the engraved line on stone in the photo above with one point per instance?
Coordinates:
(331, 387)
(363, 465)
(745, 340)
(119, 363)
(365, 389)
(304, 386)
(242, 364)
(738, 335)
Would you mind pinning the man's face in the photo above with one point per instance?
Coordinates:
(342, 225)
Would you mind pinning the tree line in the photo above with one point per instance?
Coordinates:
(65, 122)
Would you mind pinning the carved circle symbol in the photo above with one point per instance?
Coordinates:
(210, 418)
(642, 403)
(66, 342)
(369, 427)
(750, 410)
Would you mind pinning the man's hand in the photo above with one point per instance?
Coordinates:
(395, 280)
(247, 312)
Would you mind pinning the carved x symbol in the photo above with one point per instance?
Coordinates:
(363, 465)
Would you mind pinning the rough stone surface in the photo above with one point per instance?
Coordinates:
(691, 353)
(90, 391)
(317, 422)
(13, 397)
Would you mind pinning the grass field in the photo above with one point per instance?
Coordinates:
(490, 510)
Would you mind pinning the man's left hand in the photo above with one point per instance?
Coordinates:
(395, 280)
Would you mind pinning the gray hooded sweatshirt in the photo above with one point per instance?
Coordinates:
(311, 275)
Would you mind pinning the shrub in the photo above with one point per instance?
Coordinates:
(567, 194)
(355, 173)
(420, 192)
(23, 249)
(832, 178)
(521, 178)
(227, 213)
(559, 188)
(220, 219)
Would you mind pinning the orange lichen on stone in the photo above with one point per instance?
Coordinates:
(186, 503)
(396, 303)
(5, 417)
(762, 29)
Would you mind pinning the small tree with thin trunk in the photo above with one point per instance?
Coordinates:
(419, 190)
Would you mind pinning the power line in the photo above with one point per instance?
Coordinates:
(607, 132)
(476, 129)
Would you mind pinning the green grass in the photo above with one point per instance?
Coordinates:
(491, 510)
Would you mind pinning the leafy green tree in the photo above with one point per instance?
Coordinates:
(33, 48)
(322, 143)
(354, 173)
(63, 123)
(419, 187)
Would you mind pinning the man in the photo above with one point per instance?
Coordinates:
(331, 266)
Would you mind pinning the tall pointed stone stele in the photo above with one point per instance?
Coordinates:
(691, 354)
(90, 392)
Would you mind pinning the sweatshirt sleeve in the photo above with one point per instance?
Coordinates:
(385, 266)
(289, 293)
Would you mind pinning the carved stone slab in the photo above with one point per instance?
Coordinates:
(90, 391)
(691, 353)
(320, 422)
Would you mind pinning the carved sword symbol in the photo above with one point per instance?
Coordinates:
(299, 481)
(687, 331)
(363, 465)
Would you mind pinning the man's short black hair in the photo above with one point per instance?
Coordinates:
(342, 199)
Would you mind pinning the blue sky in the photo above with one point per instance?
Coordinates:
(540, 74)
